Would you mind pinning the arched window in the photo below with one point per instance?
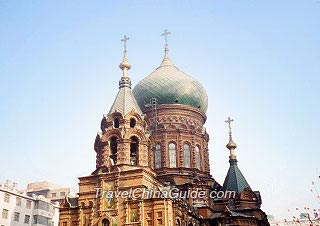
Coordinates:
(172, 155)
(132, 122)
(134, 145)
(116, 123)
(105, 222)
(186, 148)
(197, 155)
(114, 149)
(157, 157)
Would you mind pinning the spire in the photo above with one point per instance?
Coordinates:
(166, 61)
(125, 101)
(235, 181)
(231, 145)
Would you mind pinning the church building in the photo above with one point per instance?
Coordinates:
(152, 161)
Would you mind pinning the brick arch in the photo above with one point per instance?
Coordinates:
(183, 126)
(133, 114)
(105, 216)
(112, 133)
(171, 127)
(138, 133)
(247, 195)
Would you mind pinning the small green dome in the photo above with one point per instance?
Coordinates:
(169, 85)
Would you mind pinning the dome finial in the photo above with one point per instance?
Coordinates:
(231, 145)
(124, 65)
(166, 61)
(165, 34)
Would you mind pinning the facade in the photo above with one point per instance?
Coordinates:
(17, 208)
(152, 161)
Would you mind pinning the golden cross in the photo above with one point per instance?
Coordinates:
(165, 34)
(124, 40)
(229, 120)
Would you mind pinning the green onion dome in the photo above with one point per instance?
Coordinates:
(169, 85)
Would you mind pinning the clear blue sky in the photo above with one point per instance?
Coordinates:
(257, 59)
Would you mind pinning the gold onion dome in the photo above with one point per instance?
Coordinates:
(231, 145)
(125, 64)
(169, 85)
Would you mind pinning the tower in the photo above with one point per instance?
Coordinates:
(123, 140)
(240, 205)
(175, 104)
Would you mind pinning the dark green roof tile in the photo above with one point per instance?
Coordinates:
(235, 181)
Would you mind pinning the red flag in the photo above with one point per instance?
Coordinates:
(316, 215)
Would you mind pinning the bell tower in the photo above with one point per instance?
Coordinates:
(123, 140)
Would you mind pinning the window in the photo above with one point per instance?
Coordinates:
(5, 213)
(157, 157)
(62, 193)
(186, 148)
(105, 222)
(172, 155)
(28, 204)
(37, 219)
(134, 150)
(114, 148)
(26, 219)
(42, 205)
(18, 201)
(132, 122)
(54, 195)
(16, 216)
(198, 161)
(116, 123)
(6, 198)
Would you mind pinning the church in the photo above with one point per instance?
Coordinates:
(152, 161)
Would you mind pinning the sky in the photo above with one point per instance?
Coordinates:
(257, 59)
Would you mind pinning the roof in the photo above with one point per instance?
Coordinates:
(169, 85)
(237, 214)
(73, 201)
(125, 102)
(235, 181)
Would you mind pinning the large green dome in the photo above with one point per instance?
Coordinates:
(169, 85)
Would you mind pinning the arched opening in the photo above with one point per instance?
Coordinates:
(197, 155)
(172, 155)
(186, 148)
(116, 122)
(157, 157)
(105, 222)
(132, 123)
(134, 145)
(114, 149)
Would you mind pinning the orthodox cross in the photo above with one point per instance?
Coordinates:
(229, 120)
(124, 40)
(165, 34)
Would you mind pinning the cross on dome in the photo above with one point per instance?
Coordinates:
(229, 120)
(124, 40)
(165, 34)
(124, 65)
(231, 145)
